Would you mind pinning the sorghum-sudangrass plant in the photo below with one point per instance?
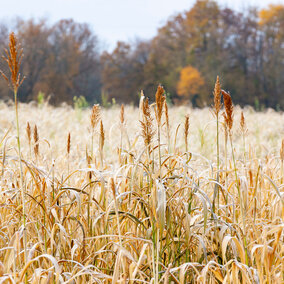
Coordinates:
(13, 57)
(216, 110)
(117, 244)
(145, 215)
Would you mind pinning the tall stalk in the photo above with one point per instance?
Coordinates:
(122, 121)
(160, 100)
(94, 119)
(216, 110)
(101, 143)
(168, 125)
(240, 198)
(229, 109)
(226, 158)
(282, 161)
(21, 172)
(13, 58)
(244, 131)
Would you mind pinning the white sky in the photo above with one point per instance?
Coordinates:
(112, 20)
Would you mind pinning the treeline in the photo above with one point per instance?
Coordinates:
(245, 49)
(61, 61)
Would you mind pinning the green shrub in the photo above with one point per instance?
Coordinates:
(80, 102)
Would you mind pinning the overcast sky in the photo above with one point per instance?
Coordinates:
(112, 20)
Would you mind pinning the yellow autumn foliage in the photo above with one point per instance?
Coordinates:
(271, 13)
(190, 82)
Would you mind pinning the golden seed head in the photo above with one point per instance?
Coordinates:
(68, 143)
(160, 98)
(147, 123)
(36, 141)
(14, 56)
(28, 130)
(102, 135)
(186, 126)
(112, 186)
(282, 151)
(217, 97)
(122, 119)
(243, 126)
(95, 116)
(167, 114)
(229, 108)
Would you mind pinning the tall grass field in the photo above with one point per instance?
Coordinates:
(154, 194)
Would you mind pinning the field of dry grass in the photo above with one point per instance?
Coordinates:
(114, 207)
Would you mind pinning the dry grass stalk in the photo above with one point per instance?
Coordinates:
(225, 126)
(147, 123)
(68, 147)
(243, 130)
(141, 101)
(68, 143)
(14, 56)
(122, 118)
(167, 123)
(229, 110)
(94, 119)
(102, 135)
(36, 141)
(101, 141)
(186, 130)
(160, 99)
(216, 109)
(217, 97)
(122, 123)
(95, 116)
(29, 135)
(243, 126)
(282, 151)
(167, 115)
(28, 131)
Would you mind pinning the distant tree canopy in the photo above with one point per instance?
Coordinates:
(190, 83)
(61, 61)
(245, 49)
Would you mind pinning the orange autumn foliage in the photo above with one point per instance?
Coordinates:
(190, 82)
(271, 14)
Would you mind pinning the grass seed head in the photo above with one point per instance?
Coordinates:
(229, 109)
(28, 131)
(160, 98)
(36, 141)
(112, 186)
(95, 116)
(14, 56)
(122, 118)
(243, 126)
(68, 143)
(167, 114)
(282, 151)
(186, 129)
(147, 123)
(217, 97)
(102, 135)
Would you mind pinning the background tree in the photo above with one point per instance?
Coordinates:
(190, 84)
(244, 48)
(123, 71)
(73, 64)
(271, 23)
